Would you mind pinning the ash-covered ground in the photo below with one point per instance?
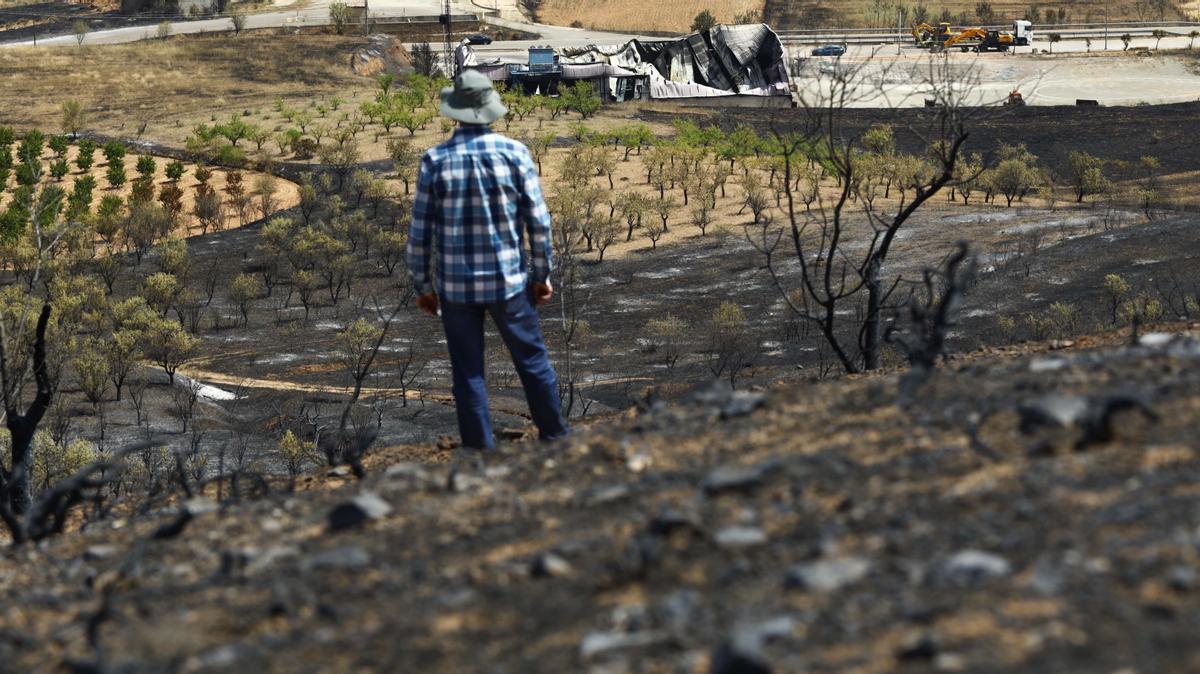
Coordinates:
(1022, 511)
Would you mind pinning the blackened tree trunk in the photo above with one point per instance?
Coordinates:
(23, 426)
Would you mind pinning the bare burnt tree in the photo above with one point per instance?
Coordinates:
(931, 311)
(48, 514)
(346, 444)
(842, 243)
(572, 304)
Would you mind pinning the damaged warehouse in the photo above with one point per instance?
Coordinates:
(737, 65)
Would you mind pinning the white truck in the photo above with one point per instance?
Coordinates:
(1022, 33)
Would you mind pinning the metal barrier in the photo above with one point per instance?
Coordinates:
(1067, 31)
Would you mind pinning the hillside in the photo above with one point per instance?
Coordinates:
(801, 14)
(624, 15)
(1024, 511)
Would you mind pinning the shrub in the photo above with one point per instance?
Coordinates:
(115, 174)
(231, 155)
(52, 462)
(244, 289)
(146, 166)
(86, 155)
(59, 145)
(295, 454)
(59, 168)
(174, 171)
(703, 21)
(339, 16)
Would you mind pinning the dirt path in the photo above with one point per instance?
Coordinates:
(223, 379)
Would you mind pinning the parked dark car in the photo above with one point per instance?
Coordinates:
(829, 50)
(479, 38)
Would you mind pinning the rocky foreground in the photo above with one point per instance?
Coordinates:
(1027, 513)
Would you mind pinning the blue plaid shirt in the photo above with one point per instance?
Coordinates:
(477, 193)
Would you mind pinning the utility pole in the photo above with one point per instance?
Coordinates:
(447, 49)
(1105, 25)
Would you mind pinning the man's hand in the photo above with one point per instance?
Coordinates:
(542, 292)
(428, 303)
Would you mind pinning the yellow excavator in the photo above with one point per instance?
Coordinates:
(941, 37)
(979, 39)
(927, 35)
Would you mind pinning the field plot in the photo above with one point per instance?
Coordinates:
(252, 185)
(147, 86)
(634, 16)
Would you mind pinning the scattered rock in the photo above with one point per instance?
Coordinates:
(728, 660)
(339, 471)
(828, 575)
(638, 462)
(734, 477)
(1046, 579)
(918, 647)
(97, 552)
(345, 557)
(199, 505)
(268, 557)
(728, 403)
(1183, 578)
(745, 652)
(406, 471)
(1094, 416)
(740, 536)
(972, 567)
(1061, 411)
(461, 482)
(677, 612)
(550, 565)
(220, 658)
(357, 511)
(498, 472)
(597, 644)
(1047, 364)
(949, 662)
(606, 494)
(1155, 340)
(670, 519)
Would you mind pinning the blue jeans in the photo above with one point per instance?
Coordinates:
(520, 327)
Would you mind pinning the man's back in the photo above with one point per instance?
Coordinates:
(477, 194)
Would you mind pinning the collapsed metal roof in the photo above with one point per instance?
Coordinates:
(725, 60)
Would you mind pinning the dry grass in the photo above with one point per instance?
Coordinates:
(161, 84)
(799, 14)
(633, 15)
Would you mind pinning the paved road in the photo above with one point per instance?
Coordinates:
(886, 79)
(316, 12)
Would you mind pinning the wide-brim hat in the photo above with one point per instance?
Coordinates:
(472, 100)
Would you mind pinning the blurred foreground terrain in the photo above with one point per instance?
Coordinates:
(1020, 510)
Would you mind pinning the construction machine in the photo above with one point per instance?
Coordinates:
(978, 39)
(927, 35)
(1015, 99)
(941, 37)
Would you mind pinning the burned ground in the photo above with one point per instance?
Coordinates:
(833, 530)
(1167, 132)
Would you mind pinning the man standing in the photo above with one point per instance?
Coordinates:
(477, 196)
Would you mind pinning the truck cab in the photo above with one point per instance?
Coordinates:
(1022, 33)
